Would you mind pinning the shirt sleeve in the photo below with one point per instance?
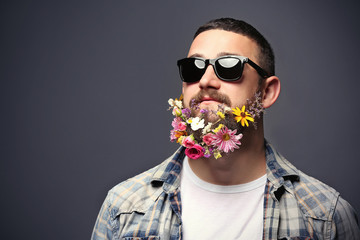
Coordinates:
(103, 228)
(345, 224)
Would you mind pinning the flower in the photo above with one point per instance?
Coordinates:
(214, 138)
(221, 115)
(208, 152)
(242, 116)
(217, 154)
(208, 139)
(186, 112)
(180, 139)
(194, 105)
(172, 135)
(180, 98)
(204, 111)
(194, 152)
(176, 112)
(178, 124)
(197, 123)
(218, 128)
(207, 128)
(227, 109)
(188, 141)
(178, 103)
(175, 135)
(226, 140)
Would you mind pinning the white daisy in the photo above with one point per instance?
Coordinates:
(197, 123)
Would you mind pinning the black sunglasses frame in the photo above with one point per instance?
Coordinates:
(212, 62)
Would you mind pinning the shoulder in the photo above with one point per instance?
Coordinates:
(316, 199)
(324, 211)
(128, 202)
(134, 194)
(321, 206)
(319, 201)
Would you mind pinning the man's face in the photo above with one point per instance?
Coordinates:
(212, 44)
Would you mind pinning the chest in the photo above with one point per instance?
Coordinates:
(227, 216)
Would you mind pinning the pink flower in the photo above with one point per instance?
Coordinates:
(172, 136)
(208, 139)
(178, 124)
(194, 152)
(226, 140)
(176, 111)
(176, 135)
(188, 142)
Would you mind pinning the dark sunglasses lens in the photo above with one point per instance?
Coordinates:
(229, 69)
(191, 69)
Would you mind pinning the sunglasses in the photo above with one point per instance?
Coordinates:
(227, 68)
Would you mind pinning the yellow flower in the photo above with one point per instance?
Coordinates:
(218, 128)
(179, 135)
(242, 116)
(221, 115)
(180, 140)
(217, 154)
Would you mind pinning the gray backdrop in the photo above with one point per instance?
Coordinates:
(85, 84)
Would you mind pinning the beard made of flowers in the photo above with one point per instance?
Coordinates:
(195, 129)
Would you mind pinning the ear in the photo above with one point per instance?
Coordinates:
(270, 91)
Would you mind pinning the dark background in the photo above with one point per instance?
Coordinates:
(85, 84)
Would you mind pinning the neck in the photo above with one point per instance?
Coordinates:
(241, 166)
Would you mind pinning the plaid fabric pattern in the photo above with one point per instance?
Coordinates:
(296, 206)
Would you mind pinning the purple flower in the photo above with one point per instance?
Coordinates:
(186, 112)
(204, 111)
(194, 105)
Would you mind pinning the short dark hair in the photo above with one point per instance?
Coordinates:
(266, 58)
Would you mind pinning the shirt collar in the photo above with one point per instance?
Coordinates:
(278, 169)
(168, 173)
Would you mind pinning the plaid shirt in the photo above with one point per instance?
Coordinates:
(296, 206)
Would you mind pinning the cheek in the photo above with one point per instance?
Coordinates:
(188, 91)
(238, 96)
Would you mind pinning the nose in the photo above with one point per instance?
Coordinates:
(209, 79)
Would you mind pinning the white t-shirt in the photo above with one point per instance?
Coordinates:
(212, 211)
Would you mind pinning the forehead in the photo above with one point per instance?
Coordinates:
(214, 43)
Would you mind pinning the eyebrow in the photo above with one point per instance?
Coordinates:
(227, 53)
(196, 55)
(217, 55)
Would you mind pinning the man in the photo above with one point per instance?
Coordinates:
(225, 181)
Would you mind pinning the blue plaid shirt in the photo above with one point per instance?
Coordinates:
(296, 206)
